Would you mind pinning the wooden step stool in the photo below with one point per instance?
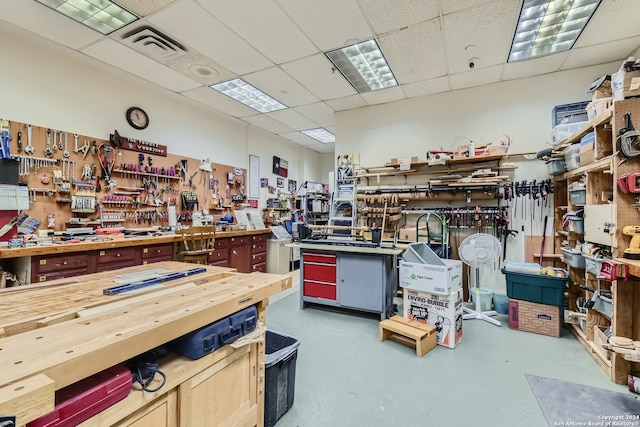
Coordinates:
(409, 332)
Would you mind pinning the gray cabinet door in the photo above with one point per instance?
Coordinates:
(361, 281)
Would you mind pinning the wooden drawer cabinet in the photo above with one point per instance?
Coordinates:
(157, 253)
(43, 277)
(262, 267)
(259, 247)
(259, 258)
(240, 241)
(110, 259)
(59, 266)
(220, 255)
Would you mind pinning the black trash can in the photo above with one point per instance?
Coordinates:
(281, 353)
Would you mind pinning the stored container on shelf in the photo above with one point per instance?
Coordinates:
(576, 224)
(578, 196)
(572, 156)
(569, 113)
(573, 257)
(556, 166)
(592, 264)
(564, 131)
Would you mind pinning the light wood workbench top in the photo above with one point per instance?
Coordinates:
(111, 242)
(346, 248)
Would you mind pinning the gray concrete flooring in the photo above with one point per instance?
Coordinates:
(346, 377)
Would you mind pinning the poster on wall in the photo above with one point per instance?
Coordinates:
(293, 185)
(253, 203)
(264, 182)
(280, 182)
(254, 176)
(280, 167)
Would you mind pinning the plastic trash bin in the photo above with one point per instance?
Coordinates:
(281, 353)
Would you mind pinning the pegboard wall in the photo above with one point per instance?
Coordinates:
(79, 180)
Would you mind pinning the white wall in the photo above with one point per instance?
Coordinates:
(48, 85)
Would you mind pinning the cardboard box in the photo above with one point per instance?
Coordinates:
(533, 317)
(423, 270)
(442, 311)
(598, 106)
(625, 84)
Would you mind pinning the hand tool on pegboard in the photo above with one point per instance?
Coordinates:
(628, 139)
(29, 148)
(5, 136)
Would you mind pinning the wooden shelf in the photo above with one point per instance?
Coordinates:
(575, 137)
(554, 256)
(601, 164)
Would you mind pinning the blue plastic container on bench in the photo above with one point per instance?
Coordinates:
(281, 353)
(538, 288)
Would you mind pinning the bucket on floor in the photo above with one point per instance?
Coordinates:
(486, 295)
(281, 352)
(501, 303)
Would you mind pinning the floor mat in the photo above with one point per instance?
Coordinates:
(566, 404)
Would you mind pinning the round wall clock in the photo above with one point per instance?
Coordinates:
(137, 118)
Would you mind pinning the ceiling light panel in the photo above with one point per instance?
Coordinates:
(103, 16)
(364, 66)
(320, 134)
(549, 26)
(250, 96)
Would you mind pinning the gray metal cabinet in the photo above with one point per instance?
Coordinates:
(359, 281)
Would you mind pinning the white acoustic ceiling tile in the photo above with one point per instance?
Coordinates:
(426, 87)
(346, 103)
(144, 8)
(299, 138)
(329, 23)
(383, 95)
(401, 14)
(120, 56)
(613, 20)
(478, 77)
(488, 27)
(47, 23)
(201, 68)
(267, 123)
(534, 67)
(451, 6)
(190, 24)
(265, 26)
(416, 53)
(281, 86)
(214, 99)
(293, 119)
(323, 148)
(317, 74)
(601, 54)
(319, 112)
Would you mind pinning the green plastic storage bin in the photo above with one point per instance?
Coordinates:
(538, 288)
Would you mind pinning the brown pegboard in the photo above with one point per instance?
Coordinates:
(119, 208)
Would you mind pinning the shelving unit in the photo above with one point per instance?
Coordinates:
(605, 203)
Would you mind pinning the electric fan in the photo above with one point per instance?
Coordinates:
(476, 251)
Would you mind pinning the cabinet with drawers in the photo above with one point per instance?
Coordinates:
(240, 253)
(259, 253)
(157, 253)
(59, 266)
(111, 259)
(319, 275)
(220, 256)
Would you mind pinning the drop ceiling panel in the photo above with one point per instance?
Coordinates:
(416, 53)
(265, 26)
(346, 103)
(491, 40)
(293, 119)
(478, 77)
(323, 148)
(144, 8)
(533, 67)
(299, 138)
(451, 6)
(201, 68)
(48, 23)
(383, 95)
(120, 56)
(267, 123)
(316, 74)
(329, 23)
(403, 13)
(279, 85)
(426, 87)
(319, 112)
(220, 102)
(190, 24)
(602, 53)
(613, 20)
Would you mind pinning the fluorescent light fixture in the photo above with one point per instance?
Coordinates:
(364, 66)
(243, 92)
(549, 26)
(103, 16)
(320, 134)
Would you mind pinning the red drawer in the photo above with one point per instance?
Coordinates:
(319, 272)
(259, 247)
(319, 257)
(259, 238)
(239, 241)
(262, 267)
(56, 263)
(319, 290)
(158, 251)
(58, 275)
(222, 243)
(125, 255)
(258, 258)
(219, 255)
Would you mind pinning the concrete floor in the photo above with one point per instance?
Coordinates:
(346, 377)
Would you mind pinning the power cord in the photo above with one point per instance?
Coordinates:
(145, 367)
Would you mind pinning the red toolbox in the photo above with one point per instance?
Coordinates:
(80, 401)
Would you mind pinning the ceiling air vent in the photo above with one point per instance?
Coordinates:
(152, 43)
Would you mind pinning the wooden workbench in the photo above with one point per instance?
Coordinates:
(58, 334)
